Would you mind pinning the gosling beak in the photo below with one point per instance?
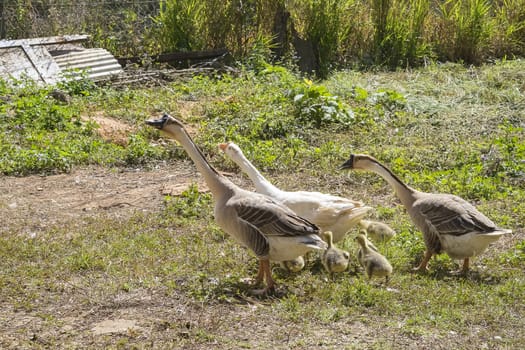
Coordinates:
(223, 146)
(158, 123)
(349, 164)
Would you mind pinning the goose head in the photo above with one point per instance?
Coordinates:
(167, 124)
(358, 161)
(230, 149)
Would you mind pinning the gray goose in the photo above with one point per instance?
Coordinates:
(269, 229)
(371, 260)
(329, 212)
(448, 222)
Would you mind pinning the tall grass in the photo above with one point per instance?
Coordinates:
(390, 33)
(508, 34)
(399, 30)
(467, 26)
(321, 25)
(180, 22)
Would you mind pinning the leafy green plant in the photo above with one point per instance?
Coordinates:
(316, 107)
(191, 204)
(77, 83)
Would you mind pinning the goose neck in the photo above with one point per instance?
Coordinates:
(216, 182)
(404, 192)
(261, 184)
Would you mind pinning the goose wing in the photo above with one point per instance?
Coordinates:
(452, 215)
(272, 218)
(260, 217)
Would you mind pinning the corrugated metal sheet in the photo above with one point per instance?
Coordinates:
(47, 60)
(97, 63)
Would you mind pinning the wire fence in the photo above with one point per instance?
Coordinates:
(117, 25)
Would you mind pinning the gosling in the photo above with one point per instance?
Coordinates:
(334, 259)
(294, 265)
(375, 264)
(378, 231)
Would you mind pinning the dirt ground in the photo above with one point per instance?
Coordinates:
(41, 201)
(149, 318)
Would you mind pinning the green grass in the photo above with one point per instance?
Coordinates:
(444, 128)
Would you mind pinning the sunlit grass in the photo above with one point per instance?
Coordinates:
(442, 129)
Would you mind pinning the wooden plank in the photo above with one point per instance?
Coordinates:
(43, 41)
(43, 62)
(15, 63)
(176, 56)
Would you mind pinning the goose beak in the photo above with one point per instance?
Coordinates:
(349, 164)
(158, 123)
(223, 146)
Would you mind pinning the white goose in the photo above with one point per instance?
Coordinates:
(330, 213)
(448, 222)
(270, 229)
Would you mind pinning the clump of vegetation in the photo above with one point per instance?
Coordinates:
(399, 32)
(190, 204)
(468, 25)
(42, 134)
(316, 107)
(328, 33)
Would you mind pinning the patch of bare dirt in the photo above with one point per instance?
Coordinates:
(35, 202)
(110, 129)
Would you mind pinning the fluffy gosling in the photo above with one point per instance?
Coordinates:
(333, 258)
(375, 264)
(294, 265)
(377, 231)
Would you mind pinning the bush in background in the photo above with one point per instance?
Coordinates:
(324, 33)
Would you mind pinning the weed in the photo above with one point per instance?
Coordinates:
(191, 204)
(316, 107)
